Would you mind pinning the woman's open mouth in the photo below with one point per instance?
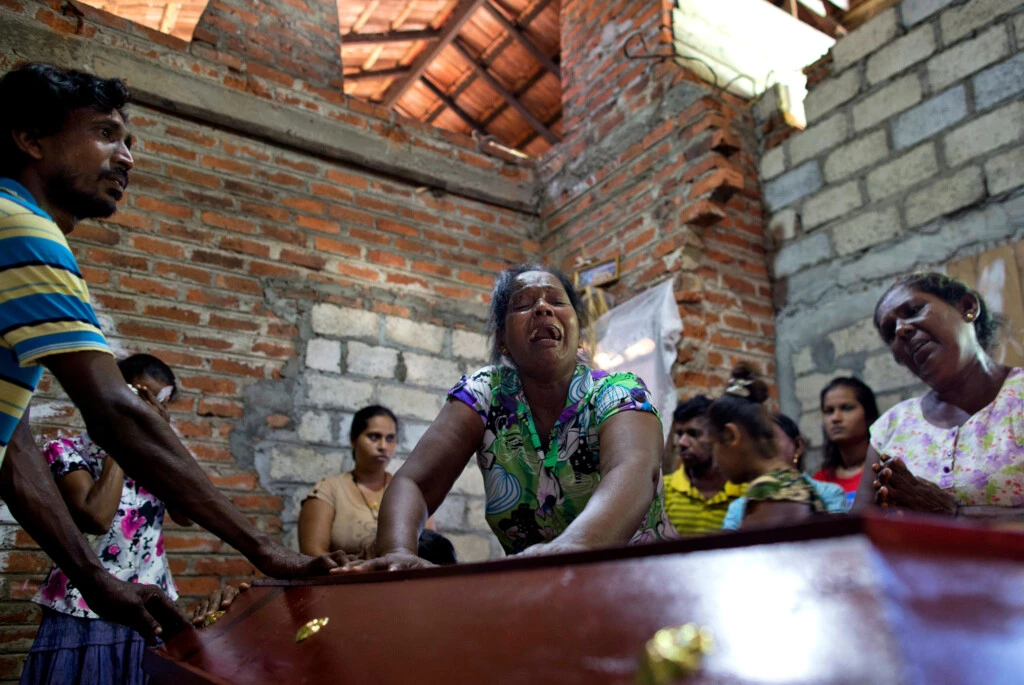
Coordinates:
(547, 334)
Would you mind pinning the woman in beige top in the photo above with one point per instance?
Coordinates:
(340, 512)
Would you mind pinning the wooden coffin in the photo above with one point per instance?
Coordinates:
(846, 600)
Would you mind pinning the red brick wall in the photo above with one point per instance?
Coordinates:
(181, 271)
(222, 234)
(216, 225)
(661, 170)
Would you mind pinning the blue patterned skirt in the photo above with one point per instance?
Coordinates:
(80, 651)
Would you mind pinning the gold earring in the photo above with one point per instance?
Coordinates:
(970, 316)
(504, 351)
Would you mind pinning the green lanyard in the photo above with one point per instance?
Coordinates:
(551, 459)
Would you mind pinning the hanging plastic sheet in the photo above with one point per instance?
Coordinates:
(641, 336)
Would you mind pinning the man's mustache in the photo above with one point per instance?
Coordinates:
(119, 175)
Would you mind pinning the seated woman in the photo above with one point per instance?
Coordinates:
(959, 448)
(570, 456)
(340, 512)
(744, 441)
(73, 644)
(848, 409)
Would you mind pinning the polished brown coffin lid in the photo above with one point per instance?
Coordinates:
(843, 600)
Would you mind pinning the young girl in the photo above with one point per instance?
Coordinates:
(74, 646)
(743, 438)
(848, 409)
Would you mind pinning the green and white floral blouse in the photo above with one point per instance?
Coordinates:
(533, 495)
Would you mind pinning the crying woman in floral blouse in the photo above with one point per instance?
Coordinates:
(73, 644)
(570, 455)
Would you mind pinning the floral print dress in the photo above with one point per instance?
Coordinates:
(980, 463)
(132, 550)
(533, 495)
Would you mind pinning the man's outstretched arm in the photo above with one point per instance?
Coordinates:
(30, 493)
(149, 451)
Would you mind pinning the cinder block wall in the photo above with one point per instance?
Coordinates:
(912, 157)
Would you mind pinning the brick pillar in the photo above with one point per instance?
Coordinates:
(660, 169)
(594, 68)
(279, 41)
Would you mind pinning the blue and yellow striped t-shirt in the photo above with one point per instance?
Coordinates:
(44, 302)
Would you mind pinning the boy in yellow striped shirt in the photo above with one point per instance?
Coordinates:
(697, 495)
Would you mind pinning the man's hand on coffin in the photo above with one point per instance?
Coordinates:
(897, 487)
(397, 560)
(144, 608)
(217, 600)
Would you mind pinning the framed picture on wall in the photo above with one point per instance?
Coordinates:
(604, 273)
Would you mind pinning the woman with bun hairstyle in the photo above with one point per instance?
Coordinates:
(743, 438)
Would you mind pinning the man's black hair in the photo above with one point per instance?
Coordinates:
(691, 408)
(38, 97)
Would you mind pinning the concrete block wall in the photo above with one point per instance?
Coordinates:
(660, 170)
(913, 156)
(406, 357)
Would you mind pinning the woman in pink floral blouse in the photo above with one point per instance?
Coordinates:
(959, 449)
(73, 644)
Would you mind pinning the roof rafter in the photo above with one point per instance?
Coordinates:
(452, 105)
(504, 42)
(519, 92)
(375, 73)
(459, 16)
(827, 24)
(523, 39)
(504, 92)
(388, 37)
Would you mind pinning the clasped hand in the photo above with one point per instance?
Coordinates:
(896, 487)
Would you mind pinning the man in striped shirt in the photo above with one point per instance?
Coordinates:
(65, 156)
(697, 495)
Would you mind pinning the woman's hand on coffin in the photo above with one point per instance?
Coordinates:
(556, 546)
(396, 560)
(278, 561)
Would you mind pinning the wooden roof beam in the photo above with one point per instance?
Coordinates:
(530, 137)
(826, 25)
(504, 92)
(524, 40)
(519, 92)
(388, 37)
(375, 74)
(452, 105)
(459, 16)
(863, 10)
(495, 52)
